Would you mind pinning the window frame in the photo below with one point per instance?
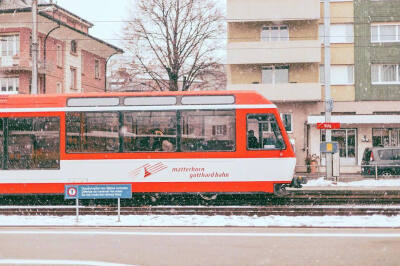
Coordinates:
(6, 139)
(269, 31)
(291, 122)
(74, 76)
(59, 57)
(274, 69)
(380, 82)
(378, 27)
(284, 146)
(97, 68)
(333, 82)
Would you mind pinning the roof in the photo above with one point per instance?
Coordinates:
(60, 100)
(28, 9)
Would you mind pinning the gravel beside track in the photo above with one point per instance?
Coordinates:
(207, 210)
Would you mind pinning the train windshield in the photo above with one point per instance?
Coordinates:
(263, 133)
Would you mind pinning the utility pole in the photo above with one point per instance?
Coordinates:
(34, 86)
(328, 100)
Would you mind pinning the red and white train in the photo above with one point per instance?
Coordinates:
(158, 142)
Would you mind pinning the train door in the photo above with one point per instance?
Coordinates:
(263, 132)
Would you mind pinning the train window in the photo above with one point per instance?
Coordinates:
(1, 143)
(93, 101)
(263, 132)
(149, 131)
(92, 132)
(211, 99)
(208, 130)
(150, 100)
(33, 143)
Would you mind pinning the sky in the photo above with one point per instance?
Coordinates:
(106, 15)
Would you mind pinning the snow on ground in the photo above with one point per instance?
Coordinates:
(197, 220)
(321, 182)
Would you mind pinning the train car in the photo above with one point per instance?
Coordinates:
(158, 142)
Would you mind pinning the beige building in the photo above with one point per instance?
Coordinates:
(276, 48)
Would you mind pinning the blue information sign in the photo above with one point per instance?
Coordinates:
(122, 191)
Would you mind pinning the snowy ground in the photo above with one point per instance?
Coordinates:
(239, 221)
(321, 182)
(196, 220)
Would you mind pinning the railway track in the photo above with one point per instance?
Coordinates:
(258, 211)
(293, 198)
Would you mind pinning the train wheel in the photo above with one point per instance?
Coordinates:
(208, 196)
(386, 174)
(280, 190)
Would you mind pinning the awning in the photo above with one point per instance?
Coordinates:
(356, 119)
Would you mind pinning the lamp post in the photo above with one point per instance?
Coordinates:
(328, 100)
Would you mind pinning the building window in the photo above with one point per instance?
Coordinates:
(9, 85)
(219, 130)
(287, 122)
(340, 75)
(59, 87)
(339, 33)
(73, 79)
(275, 74)
(386, 137)
(9, 47)
(275, 33)
(385, 74)
(97, 68)
(59, 55)
(74, 48)
(385, 33)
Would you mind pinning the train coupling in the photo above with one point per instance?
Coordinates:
(297, 181)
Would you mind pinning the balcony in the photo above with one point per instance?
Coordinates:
(308, 51)
(272, 10)
(291, 92)
(13, 64)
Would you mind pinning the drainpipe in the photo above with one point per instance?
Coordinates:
(105, 71)
(44, 53)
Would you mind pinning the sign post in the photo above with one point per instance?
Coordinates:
(109, 191)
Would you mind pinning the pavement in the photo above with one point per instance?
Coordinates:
(347, 178)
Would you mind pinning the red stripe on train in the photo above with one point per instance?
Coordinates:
(58, 188)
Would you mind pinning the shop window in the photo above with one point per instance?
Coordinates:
(263, 133)
(346, 139)
(386, 137)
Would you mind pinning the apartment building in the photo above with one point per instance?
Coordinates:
(70, 59)
(276, 48)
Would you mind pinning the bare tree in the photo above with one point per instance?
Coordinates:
(173, 41)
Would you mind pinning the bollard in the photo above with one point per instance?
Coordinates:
(376, 172)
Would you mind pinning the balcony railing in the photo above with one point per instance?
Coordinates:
(16, 63)
(272, 10)
(305, 51)
(284, 91)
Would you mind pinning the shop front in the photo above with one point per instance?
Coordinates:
(356, 133)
